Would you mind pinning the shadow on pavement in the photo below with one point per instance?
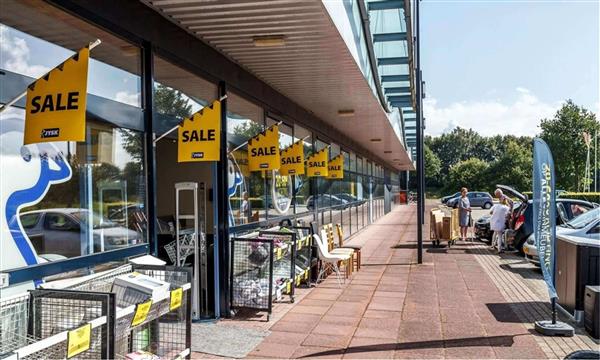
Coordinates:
(526, 273)
(501, 340)
(505, 312)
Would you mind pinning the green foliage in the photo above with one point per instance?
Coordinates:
(591, 196)
(564, 135)
(171, 102)
(433, 166)
(513, 167)
(468, 173)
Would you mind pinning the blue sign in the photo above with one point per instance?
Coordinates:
(544, 210)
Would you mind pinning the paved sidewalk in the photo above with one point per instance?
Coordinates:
(446, 308)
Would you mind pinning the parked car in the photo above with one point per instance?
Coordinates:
(448, 197)
(521, 220)
(350, 198)
(324, 201)
(477, 199)
(585, 226)
(482, 228)
(282, 201)
(58, 231)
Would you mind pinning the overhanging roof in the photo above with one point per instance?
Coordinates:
(314, 68)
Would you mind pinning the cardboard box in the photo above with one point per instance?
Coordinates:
(447, 228)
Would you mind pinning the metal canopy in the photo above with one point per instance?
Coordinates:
(304, 57)
(391, 32)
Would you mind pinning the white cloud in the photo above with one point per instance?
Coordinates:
(490, 117)
(128, 98)
(16, 55)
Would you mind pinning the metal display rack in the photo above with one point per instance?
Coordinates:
(257, 278)
(39, 325)
(305, 259)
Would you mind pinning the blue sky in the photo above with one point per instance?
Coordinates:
(501, 66)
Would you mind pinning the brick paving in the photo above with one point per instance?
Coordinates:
(456, 305)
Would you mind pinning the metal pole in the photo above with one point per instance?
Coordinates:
(419, 136)
(596, 162)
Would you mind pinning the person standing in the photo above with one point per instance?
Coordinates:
(498, 223)
(504, 199)
(464, 213)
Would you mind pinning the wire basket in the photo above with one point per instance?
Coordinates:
(187, 244)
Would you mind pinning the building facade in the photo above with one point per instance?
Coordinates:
(333, 74)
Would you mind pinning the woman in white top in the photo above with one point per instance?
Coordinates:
(498, 223)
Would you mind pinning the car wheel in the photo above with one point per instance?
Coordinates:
(487, 205)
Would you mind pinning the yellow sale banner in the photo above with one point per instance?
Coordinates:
(263, 150)
(199, 136)
(335, 169)
(292, 159)
(316, 164)
(56, 102)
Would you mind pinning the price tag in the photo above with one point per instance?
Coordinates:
(279, 253)
(305, 274)
(288, 287)
(141, 312)
(79, 340)
(298, 280)
(299, 245)
(176, 296)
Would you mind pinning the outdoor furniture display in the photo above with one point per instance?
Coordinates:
(329, 260)
(263, 269)
(132, 309)
(577, 263)
(443, 226)
(327, 234)
(357, 248)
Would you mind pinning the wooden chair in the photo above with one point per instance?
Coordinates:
(357, 257)
(328, 232)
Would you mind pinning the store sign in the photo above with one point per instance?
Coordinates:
(292, 159)
(263, 150)
(141, 312)
(56, 102)
(335, 169)
(316, 164)
(176, 299)
(199, 136)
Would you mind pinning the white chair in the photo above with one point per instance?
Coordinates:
(329, 260)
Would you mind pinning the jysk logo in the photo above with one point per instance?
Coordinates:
(50, 133)
(197, 155)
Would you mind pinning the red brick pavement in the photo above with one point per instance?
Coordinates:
(394, 308)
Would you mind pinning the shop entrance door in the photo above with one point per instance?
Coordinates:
(179, 215)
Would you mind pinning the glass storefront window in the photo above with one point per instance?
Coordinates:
(302, 182)
(70, 199)
(280, 188)
(247, 190)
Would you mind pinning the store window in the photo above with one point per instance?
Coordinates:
(302, 182)
(178, 94)
(280, 190)
(247, 190)
(69, 199)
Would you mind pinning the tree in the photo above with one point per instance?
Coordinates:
(433, 165)
(172, 102)
(470, 173)
(513, 167)
(457, 145)
(564, 135)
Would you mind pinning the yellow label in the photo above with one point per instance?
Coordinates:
(292, 159)
(279, 253)
(335, 168)
(263, 150)
(141, 312)
(176, 297)
(79, 340)
(288, 287)
(299, 245)
(298, 280)
(316, 164)
(305, 274)
(56, 102)
(199, 136)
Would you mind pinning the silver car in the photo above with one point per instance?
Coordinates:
(585, 226)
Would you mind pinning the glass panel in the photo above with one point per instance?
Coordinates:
(246, 189)
(280, 205)
(75, 198)
(302, 183)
